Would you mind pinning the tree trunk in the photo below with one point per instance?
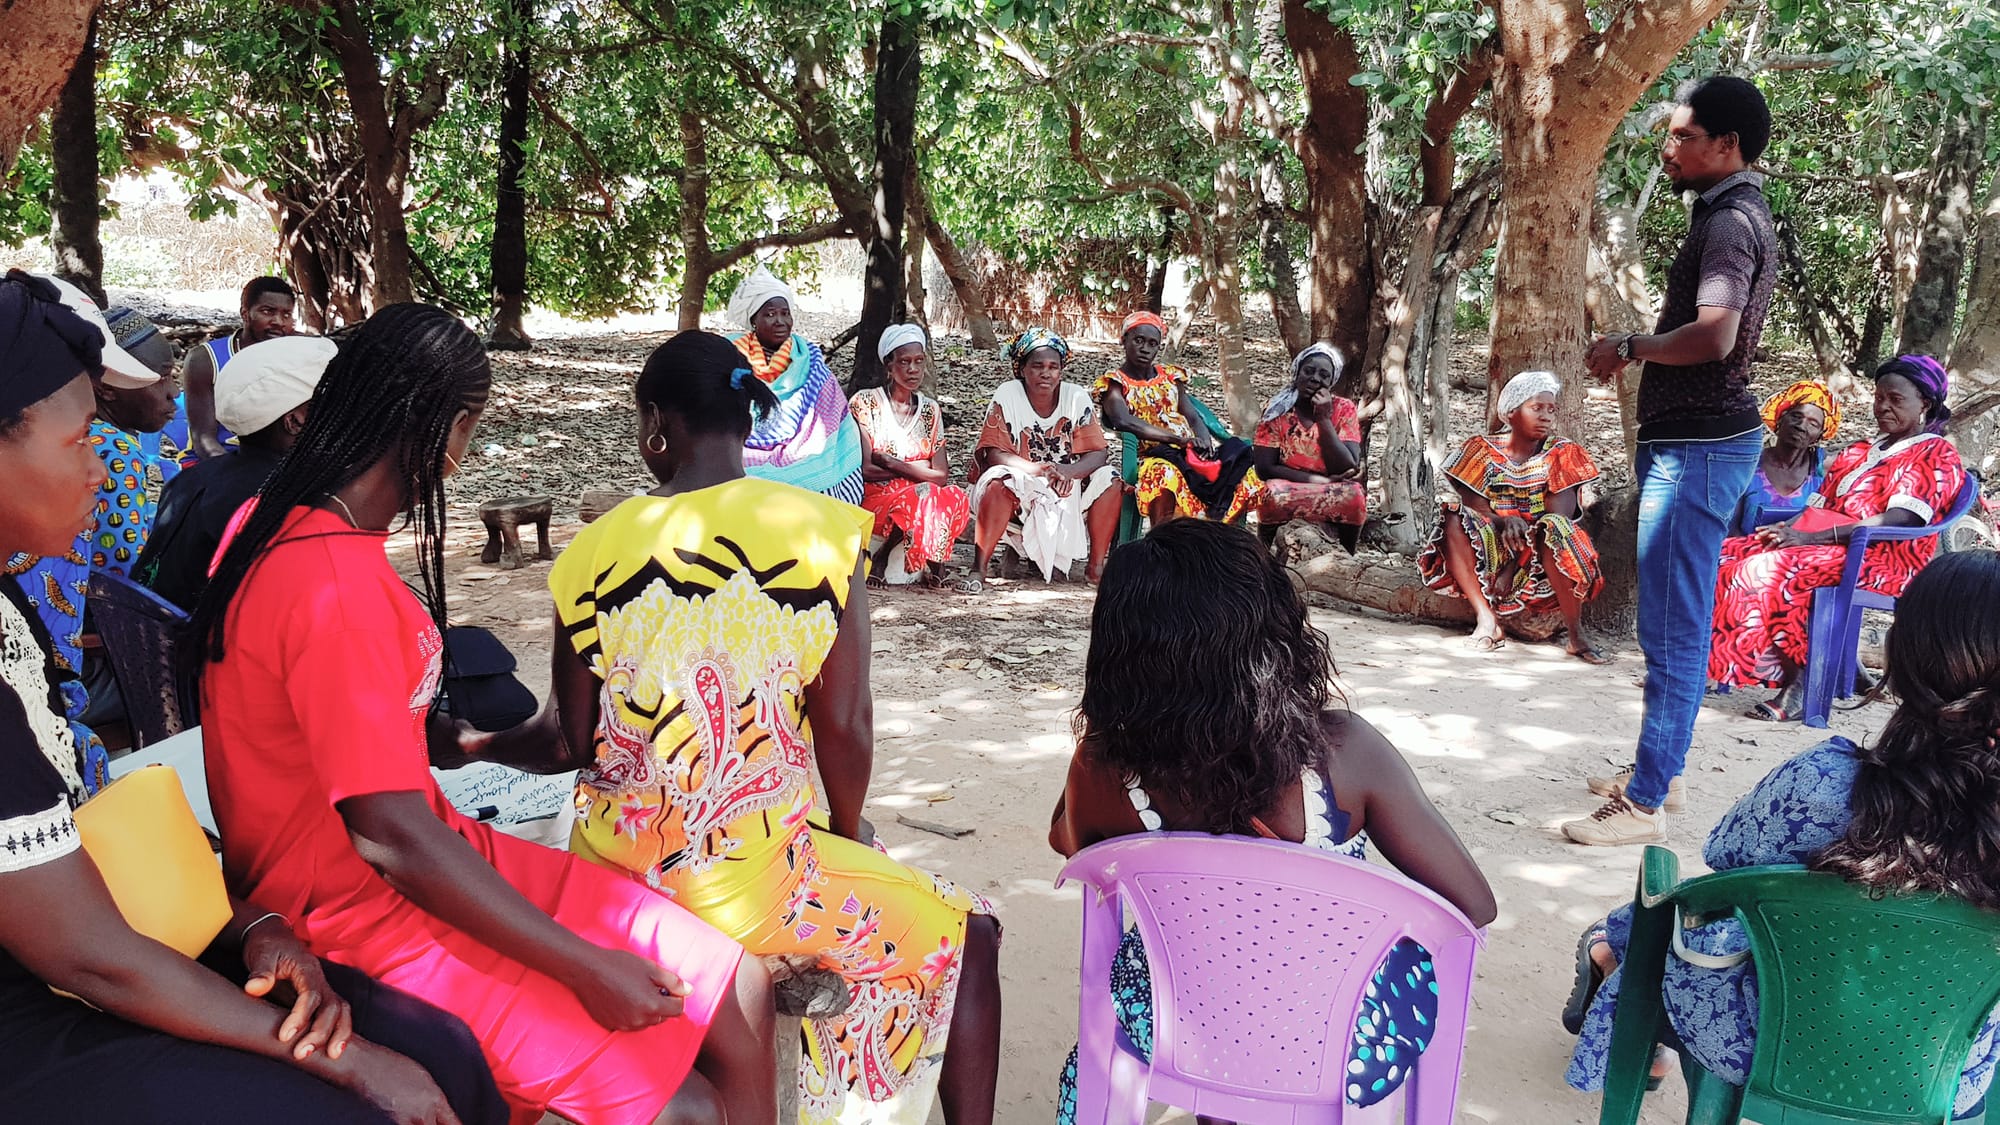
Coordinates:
(1156, 277)
(1273, 223)
(1226, 290)
(1975, 355)
(509, 254)
(916, 295)
(697, 263)
(73, 197)
(384, 167)
(1330, 148)
(1406, 478)
(1947, 227)
(964, 282)
(1618, 300)
(898, 73)
(42, 40)
(1559, 91)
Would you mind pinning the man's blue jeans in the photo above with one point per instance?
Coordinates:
(1688, 492)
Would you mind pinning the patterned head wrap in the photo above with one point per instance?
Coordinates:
(1142, 318)
(1031, 341)
(1805, 392)
(1932, 382)
(755, 292)
(1526, 386)
(1289, 397)
(896, 336)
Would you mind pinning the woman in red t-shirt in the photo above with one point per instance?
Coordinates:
(592, 996)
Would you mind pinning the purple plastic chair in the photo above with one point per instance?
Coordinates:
(1833, 649)
(1261, 952)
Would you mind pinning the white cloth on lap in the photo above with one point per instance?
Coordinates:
(1054, 533)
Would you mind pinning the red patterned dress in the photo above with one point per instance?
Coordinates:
(1297, 441)
(1763, 596)
(931, 516)
(1518, 489)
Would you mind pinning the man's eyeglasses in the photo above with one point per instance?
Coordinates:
(1676, 140)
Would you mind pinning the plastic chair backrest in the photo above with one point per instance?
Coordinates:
(1261, 952)
(1867, 1007)
(139, 630)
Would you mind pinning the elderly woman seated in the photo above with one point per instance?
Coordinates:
(1309, 454)
(1043, 466)
(1184, 469)
(1799, 418)
(905, 471)
(1905, 477)
(810, 440)
(1509, 540)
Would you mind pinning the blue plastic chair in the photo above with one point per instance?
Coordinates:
(140, 630)
(1261, 953)
(1833, 652)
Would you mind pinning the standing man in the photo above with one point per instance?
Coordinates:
(268, 305)
(1699, 434)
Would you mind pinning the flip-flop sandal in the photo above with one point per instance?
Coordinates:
(1486, 644)
(1589, 978)
(1765, 713)
(970, 584)
(1592, 656)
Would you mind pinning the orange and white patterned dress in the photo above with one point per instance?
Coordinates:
(930, 516)
(704, 617)
(1522, 489)
(1156, 401)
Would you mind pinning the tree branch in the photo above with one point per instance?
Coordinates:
(832, 228)
(576, 138)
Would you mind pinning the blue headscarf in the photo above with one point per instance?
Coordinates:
(1033, 340)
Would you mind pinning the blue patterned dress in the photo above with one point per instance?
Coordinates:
(1396, 1016)
(1798, 809)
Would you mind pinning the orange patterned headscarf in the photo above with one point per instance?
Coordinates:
(1144, 317)
(1805, 392)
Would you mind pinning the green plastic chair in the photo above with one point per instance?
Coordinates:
(1131, 521)
(1866, 1007)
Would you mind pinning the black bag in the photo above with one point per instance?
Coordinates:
(479, 683)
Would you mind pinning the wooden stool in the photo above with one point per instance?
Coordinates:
(596, 501)
(503, 520)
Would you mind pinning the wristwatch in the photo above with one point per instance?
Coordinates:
(1625, 347)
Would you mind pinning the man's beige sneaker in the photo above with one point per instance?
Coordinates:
(1618, 822)
(1614, 786)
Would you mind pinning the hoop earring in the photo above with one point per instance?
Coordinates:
(658, 449)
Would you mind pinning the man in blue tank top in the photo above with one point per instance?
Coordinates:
(268, 304)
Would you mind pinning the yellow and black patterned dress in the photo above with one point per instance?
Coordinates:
(704, 617)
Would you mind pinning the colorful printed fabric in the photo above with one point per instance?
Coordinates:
(1805, 392)
(1059, 438)
(704, 616)
(1033, 340)
(1297, 441)
(1794, 812)
(930, 516)
(810, 440)
(1518, 489)
(127, 501)
(1159, 477)
(1397, 1012)
(1155, 400)
(1763, 597)
(1763, 494)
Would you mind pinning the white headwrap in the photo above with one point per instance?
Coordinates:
(264, 382)
(1525, 386)
(897, 335)
(1289, 397)
(755, 292)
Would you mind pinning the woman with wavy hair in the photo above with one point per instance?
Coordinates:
(1221, 717)
(1915, 812)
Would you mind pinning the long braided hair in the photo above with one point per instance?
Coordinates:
(1926, 802)
(400, 381)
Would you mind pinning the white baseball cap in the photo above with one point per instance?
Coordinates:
(266, 381)
(121, 368)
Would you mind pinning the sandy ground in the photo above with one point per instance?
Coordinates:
(973, 705)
